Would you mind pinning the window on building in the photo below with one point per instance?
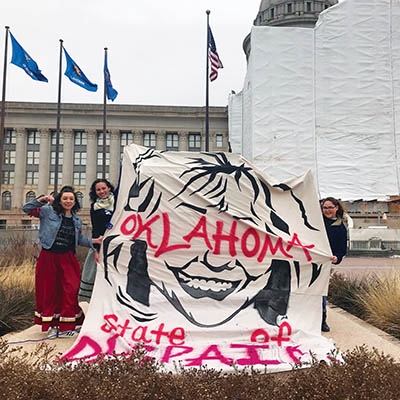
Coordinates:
(99, 175)
(100, 138)
(80, 178)
(289, 7)
(194, 141)
(52, 176)
(308, 6)
(100, 159)
(272, 12)
(10, 137)
(8, 177)
(30, 196)
(80, 158)
(6, 200)
(3, 224)
(27, 224)
(100, 152)
(80, 138)
(53, 158)
(9, 157)
(32, 177)
(79, 197)
(126, 138)
(149, 139)
(53, 166)
(32, 157)
(33, 136)
(54, 138)
(172, 141)
(219, 139)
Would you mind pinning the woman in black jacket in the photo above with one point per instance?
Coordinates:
(102, 196)
(333, 213)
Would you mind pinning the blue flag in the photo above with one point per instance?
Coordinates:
(22, 59)
(111, 92)
(75, 74)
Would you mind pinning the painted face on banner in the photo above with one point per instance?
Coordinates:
(204, 227)
(210, 287)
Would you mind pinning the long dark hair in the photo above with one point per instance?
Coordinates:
(340, 212)
(58, 208)
(92, 193)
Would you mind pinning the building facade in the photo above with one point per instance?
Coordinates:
(30, 145)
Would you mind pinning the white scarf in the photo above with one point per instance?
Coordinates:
(107, 203)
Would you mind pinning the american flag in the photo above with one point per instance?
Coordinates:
(213, 56)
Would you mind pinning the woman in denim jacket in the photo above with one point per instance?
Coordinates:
(57, 273)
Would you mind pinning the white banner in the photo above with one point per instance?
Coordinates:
(209, 263)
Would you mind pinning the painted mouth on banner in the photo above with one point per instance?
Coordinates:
(200, 287)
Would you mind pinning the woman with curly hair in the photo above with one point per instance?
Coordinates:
(102, 196)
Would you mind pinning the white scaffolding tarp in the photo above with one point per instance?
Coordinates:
(325, 99)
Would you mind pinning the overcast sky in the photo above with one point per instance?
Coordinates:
(156, 49)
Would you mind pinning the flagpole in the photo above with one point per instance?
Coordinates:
(207, 82)
(104, 118)
(58, 122)
(3, 108)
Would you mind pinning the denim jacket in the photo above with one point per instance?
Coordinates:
(50, 223)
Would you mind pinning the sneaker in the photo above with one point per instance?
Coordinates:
(68, 334)
(52, 333)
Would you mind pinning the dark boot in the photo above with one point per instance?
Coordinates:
(324, 325)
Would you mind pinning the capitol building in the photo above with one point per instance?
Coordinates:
(30, 145)
(30, 152)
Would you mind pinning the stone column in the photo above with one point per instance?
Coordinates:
(203, 141)
(91, 164)
(160, 140)
(68, 162)
(20, 168)
(138, 137)
(212, 141)
(44, 162)
(183, 140)
(115, 156)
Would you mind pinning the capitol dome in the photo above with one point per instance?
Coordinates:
(288, 13)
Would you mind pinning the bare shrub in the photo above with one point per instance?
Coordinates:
(365, 375)
(345, 292)
(17, 248)
(17, 297)
(381, 304)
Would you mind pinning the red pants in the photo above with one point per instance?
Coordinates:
(57, 280)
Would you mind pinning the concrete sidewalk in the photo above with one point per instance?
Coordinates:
(349, 332)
